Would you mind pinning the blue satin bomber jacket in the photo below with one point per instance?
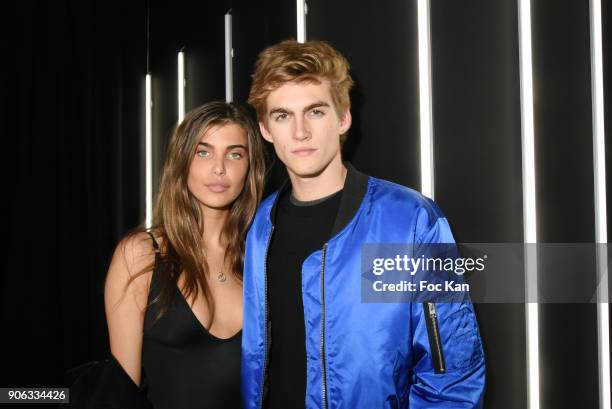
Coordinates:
(365, 355)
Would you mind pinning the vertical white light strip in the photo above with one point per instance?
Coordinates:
(425, 104)
(181, 86)
(148, 154)
(301, 20)
(529, 203)
(229, 54)
(601, 222)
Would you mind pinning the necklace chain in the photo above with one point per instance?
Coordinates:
(221, 277)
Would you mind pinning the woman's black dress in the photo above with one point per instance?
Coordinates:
(184, 366)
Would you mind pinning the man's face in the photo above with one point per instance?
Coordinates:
(302, 123)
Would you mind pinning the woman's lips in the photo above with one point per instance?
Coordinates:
(217, 187)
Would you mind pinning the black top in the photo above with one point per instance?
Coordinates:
(184, 366)
(301, 228)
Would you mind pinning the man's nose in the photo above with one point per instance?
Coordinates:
(302, 130)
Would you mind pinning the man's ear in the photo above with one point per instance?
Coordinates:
(345, 122)
(265, 133)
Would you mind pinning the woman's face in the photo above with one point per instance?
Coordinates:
(219, 167)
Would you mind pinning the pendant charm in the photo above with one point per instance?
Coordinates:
(221, 277)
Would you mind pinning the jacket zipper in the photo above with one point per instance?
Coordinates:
(323, 369)
(266, 314)
(434, 337)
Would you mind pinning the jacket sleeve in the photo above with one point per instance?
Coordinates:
(448, 360)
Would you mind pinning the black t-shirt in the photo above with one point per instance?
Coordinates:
(301, 228)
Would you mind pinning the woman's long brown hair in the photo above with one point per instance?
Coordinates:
(177, 218)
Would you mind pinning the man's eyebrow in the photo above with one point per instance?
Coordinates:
(308, 108)
(278, 111)
(316, 105)
(207, 145)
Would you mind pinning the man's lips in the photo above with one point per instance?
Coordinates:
(217, 187)
(303, 151)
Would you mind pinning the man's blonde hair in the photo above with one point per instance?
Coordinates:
(290, 61)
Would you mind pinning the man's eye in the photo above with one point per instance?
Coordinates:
(281, 117)
(317, 112)
(234, 155)
(203, 154)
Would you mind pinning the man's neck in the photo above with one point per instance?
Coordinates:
(324, 184)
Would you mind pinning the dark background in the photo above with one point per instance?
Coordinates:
(74, 120)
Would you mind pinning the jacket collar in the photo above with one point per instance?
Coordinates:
(354, 190)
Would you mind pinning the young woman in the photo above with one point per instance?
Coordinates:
(173, 294)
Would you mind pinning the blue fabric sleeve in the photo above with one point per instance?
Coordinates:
(461, 383)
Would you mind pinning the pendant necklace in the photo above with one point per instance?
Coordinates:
(221, 276)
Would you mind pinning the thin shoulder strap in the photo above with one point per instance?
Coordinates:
(155, 245)
(153, 286)
(157, 259)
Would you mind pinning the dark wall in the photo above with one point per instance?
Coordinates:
(565, 198)
(478, 164)
(76, 90)
(256, 26)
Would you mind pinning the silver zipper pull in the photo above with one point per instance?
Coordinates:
(432, 309)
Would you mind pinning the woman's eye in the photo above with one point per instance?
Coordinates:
(234, 155)
(203, 154)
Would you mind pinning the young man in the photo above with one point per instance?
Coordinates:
(308, 339)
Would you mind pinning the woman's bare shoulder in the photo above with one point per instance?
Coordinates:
(137, 247)
(133, 262)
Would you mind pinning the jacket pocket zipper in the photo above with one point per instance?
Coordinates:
(433, 333)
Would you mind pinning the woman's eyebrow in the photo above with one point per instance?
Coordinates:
(207, 145)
